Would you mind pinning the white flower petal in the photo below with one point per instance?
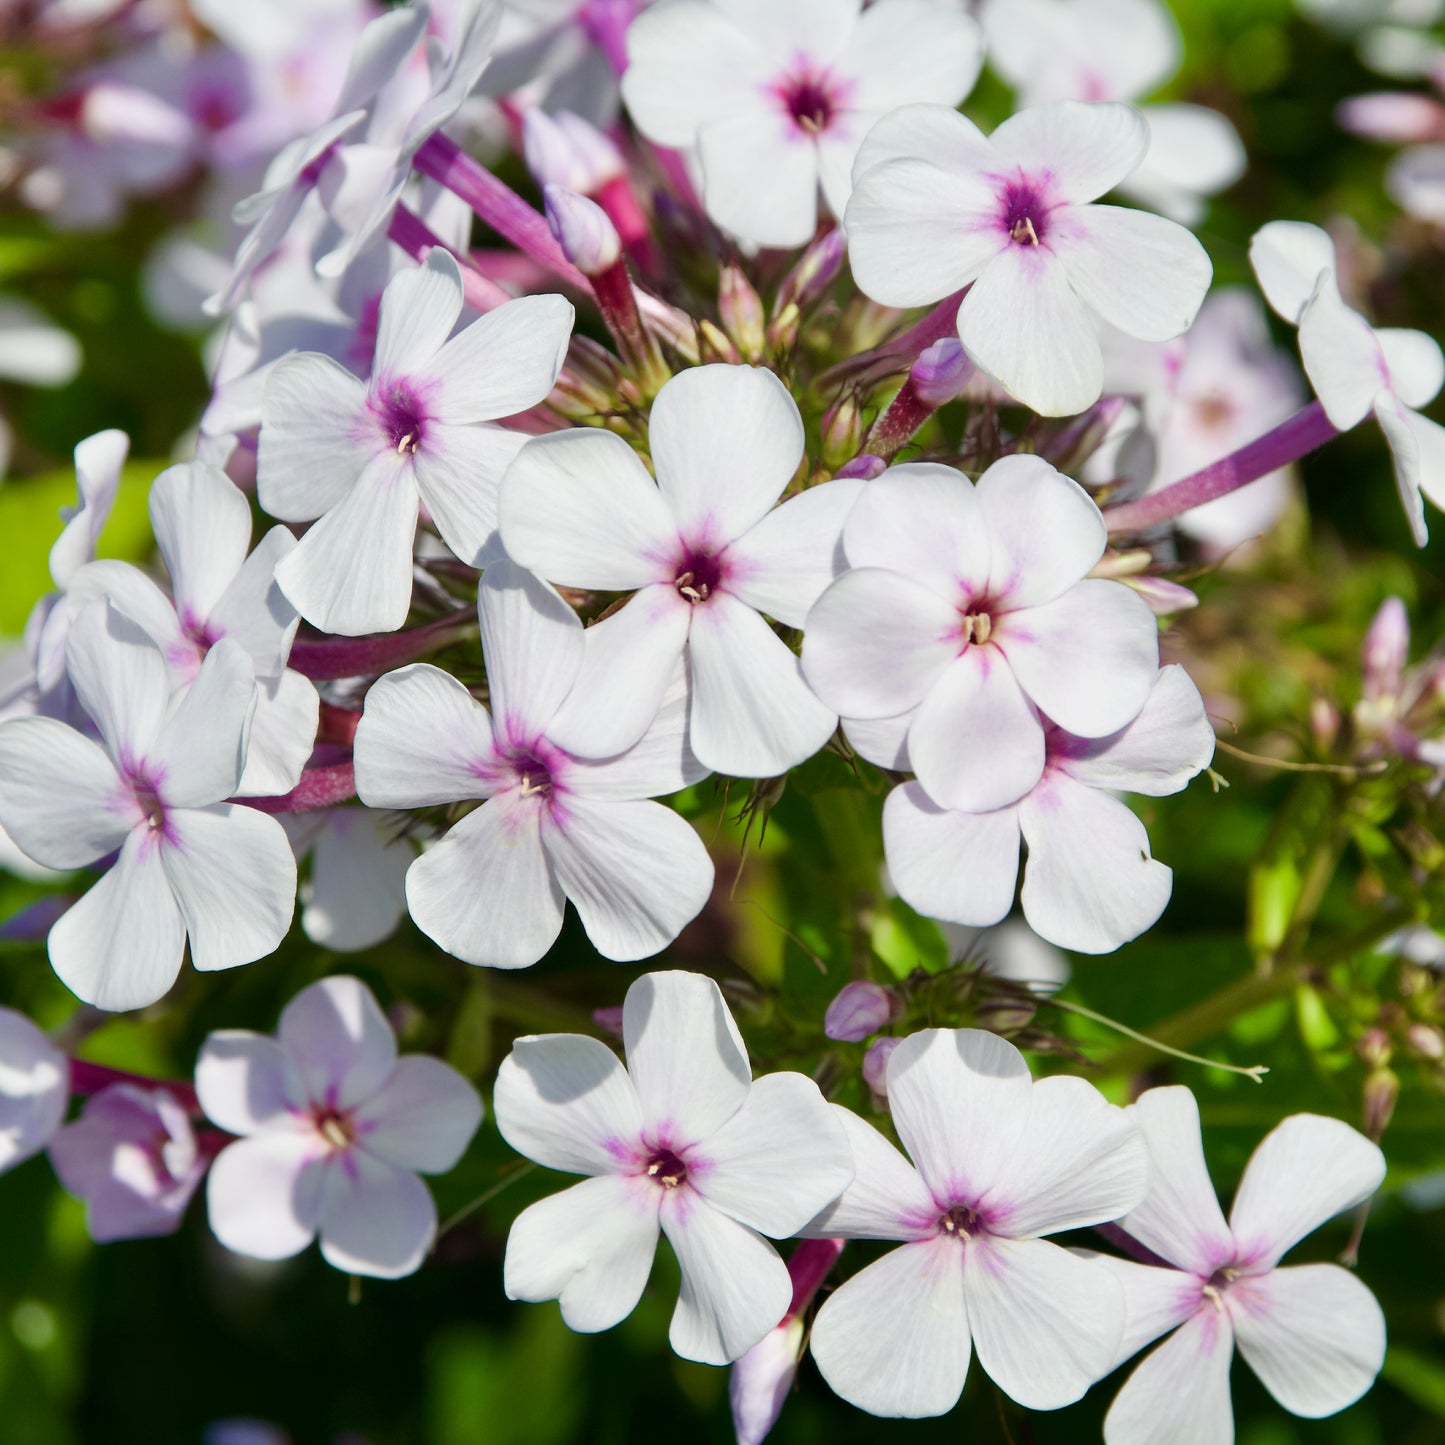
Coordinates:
(1306, 1170)
(120, 678)
(1313, 1333)
(263, 1195)
(660, 762)
(253, 611)
(247, 1083)
(685, 1055)
(422, 739)
(1430, 447)
(735, 1288)
(636, 872)
(886, 1200)
(590, 1248)
(1088, 659)
(203, 528)
(1024, 324)
(960, 867)
(357, 891)
(752, 714)
(34, 1089)
(911, 50)
(1288, 258)
(1089, 882)
(98, 463)
(1179, 1395)
(120, 947)
(1085, 149)
(376, 1219)
(61, 799)
(1403, 437)
(487, 892)
(1179, 1219)
(894, 1339)
(760, 178)
(882, 740)
(459, 472)
(1156, 1300)
(339, 1040)
(567, 1102)
(282, 736)
(200, 752)
(422, 1118)
(1341, 357)
(418, 310)
(778, 1161)
(578, 508)
(1415, 362)
(532, 643)
(1046, 1324)
(351, 572)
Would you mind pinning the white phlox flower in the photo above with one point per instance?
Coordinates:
(554, 826)
(682, 1141)
(965, 614)
(334, 1130)
(362, 456)
(191, 865)
(1354, 368)
(707, 551)
(34, 1089)
(999, 1161)
(1090, 883)
(1118, 50)
(938, 206)
(202, 526)
(776, 99)
(1313, 1333)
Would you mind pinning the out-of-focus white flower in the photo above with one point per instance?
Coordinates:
(335, 1128)
(34, 1089)
(356, 894)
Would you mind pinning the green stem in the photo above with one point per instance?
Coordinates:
(520, 1171)
(1256, 1072)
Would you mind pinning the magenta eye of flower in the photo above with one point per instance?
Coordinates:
(533, 775)
(667, 1169)
(402, 421)
(335, 1128)
(1219, 1283)
(698, 576)
(1025, 215)
(961, 1222)
(809, 103)
(976, 627)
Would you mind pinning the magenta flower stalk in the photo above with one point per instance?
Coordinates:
(1288, 442)
(340, 657)
(89, 1078)
(319, 788)
(418, 240)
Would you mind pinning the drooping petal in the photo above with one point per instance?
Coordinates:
(1430, 447)
(1306, 1170)
(247, 1083)
(976, 741)
(1143, 274)
(886, 1199)
(735, 1288)
(1167, 744)
(590, 1248)
(924, 520)
(200, 751)
(1090, 883)
(1405, 461)
(282, 736)
(1341, 357)
(629, 663)
(459, 473)
(1180, 1219)
(263, 1195)
(120, 678)
(1313, 1333)
(312, 449)
(339, 1040)
(960, 1099)
(725, 441)
(882, 740)
(1180, 1394)
(1024, 324)
(894, 1339)
(61, 799)
(685, 1056)
(567, 1102)
(955, 866)
(418, 310)
(1085, 149)
(120, 947)
(422, 739)
(760, 178)
(1088, 658)
(487, 893)
(578, 508)
(778, 1161)
(636, 872)
(351, 573)
(782, 565)
(503, 363)
(752, 715)
(1044, 531)
(203, 528)
(375, 1219)
(98, 463)
(876, 641)
(1288, 259)
(357, 891)
(532, 642)
(1046, 1324)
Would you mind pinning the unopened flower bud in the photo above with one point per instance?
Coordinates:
(941, 372)
(842, 432)
(1003, 1014)
(1077, 440)
(1324, 722)
(1392, 118)
(815, 272)
(860, 1009)
(875, 1065)
(1426, 1040)
(1382, 1088)
(587, 237)
(609, 1020)
(1374, 1048)
(567, 151)
(1387, 645)
(1163, 596)
(741, 309)
(864, 466)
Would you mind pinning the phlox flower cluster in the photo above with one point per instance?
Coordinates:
(570, 532)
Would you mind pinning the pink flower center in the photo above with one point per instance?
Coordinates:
(534, 776)
(335, 1127)
(698, 576)
(809, 100)
(667, 1169)
(976, 627)
(961, 1222)
(1024, 213)
(402, 420)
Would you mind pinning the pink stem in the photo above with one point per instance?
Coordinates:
(318, 788)
(497, 204)
(88, 1078)
(897, 425)
(418, 240)
(1131, 1246)
(336, 658)
(605, 24)
(1288, 442)
(619, 200)
(337, 725)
